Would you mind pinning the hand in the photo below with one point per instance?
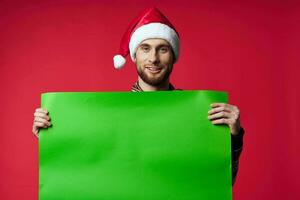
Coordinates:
(222, 113)
(41, 120)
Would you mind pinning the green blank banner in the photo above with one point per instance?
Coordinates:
(134, 146)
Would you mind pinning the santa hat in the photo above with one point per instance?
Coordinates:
(151, 23)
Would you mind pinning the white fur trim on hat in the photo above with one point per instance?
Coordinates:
(154, 30)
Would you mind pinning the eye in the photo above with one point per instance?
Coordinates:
(164, 49)
(145, 48)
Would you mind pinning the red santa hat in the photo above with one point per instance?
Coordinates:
(151, 23)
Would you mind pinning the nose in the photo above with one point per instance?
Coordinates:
(153, 56)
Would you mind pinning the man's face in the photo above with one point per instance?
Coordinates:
(154, 61)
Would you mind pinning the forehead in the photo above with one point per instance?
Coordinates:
(155, 42)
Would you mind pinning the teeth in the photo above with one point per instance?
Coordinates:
(153, 69)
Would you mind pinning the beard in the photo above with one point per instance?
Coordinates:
(155, 80)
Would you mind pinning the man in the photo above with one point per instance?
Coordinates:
(153, 44)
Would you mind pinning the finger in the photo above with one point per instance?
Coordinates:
(227, 107)
(219, 115)
(41, 115)
(41, 120)
(218, 109)
(222, 121)
(45, 123)
(36, 133)
(35, 130)
(40, 124)
(42, 110)
(214, 105)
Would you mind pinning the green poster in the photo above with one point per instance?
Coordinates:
(134, 146)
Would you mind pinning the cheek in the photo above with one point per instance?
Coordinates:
(139, 63)
(140, 58)
(166, 59)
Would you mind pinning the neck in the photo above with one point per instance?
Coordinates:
(146, 87)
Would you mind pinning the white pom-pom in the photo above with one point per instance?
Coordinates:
(119, 61)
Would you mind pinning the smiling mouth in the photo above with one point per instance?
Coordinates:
(154, 70)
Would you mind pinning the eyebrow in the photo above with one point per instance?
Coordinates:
(159, 46)
(144, 44)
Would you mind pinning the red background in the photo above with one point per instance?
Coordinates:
(248, 49)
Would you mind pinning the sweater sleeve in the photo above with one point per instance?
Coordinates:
(236, 150)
